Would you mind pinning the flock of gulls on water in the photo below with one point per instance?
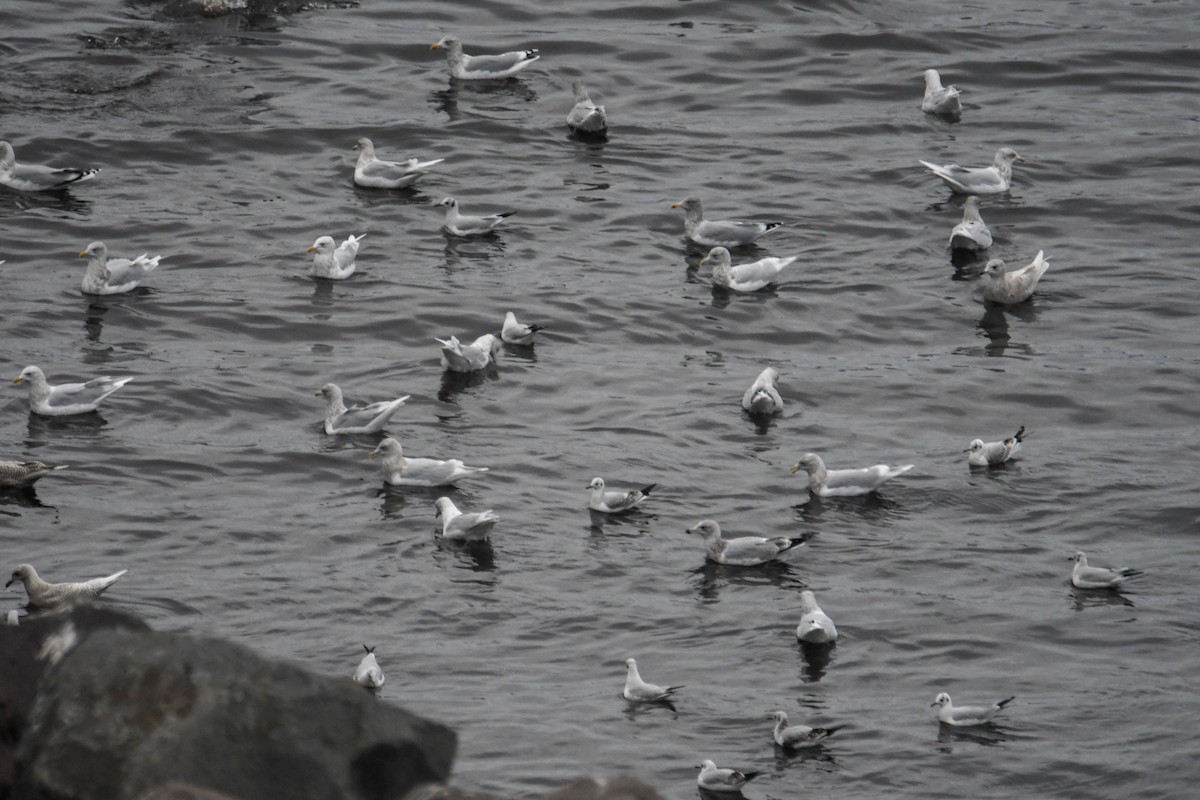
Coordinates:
(331, 261)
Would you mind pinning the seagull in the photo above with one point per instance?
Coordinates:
(22, 474)
(1009, 288)
(972, 233)
(744, 277)
(715, 779)
(719, 232)
(483, 68)
(368, 672)
(459, 357)
(940, 99)
(470, 527)
(744, 551)
(13, 617)
(797, 737)
(966, 715)
(638, 691)
(844, 482)
(66, 398)
(762, 398)
(815, 625)
(984, 454)
(461, 225)
(1085, 577)
(116, 275)
(50, 595)
(586, 116)
(332, 264)
(36, 177)
(401, 471)
(515, 332)
(375, 173)
(995, 179)
(356, 419)
(615, 502)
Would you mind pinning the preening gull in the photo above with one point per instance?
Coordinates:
(942, 100)
(19, 474)
(798, 737)
(35, 177)
(465, 225)
(984, 454)
(744, 551)
(375, 173)
(995, 179)
(515, 332)
(368, 671)
(401, 471)
(356, 419)
(1085, 577)
(483, 68)
(815, 625)
(66, 398)
(50, 595)
(638, 691)
(334, 264)
(473, 526)
(615, 502)
(719, 232)
(716, 779)
(762, 398)
(744, 277)
(459, 357)
(1008, 288)
(586, 116)
(966, 715)
(972, 233)
(113, 275)
(844, 482)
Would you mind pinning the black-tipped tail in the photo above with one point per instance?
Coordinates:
(749, 776)
(773, 225)
(1020, 435)
(368, 649)
(648, 489)
(1006, 701)
(504, 214)
(796, 541)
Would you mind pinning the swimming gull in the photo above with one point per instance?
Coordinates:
(972, 233)
(50, 595)
(615, 502)
(744, 277)
(844, 482)
(483, 68)
(401, 471)
(638, 691)
(1008, 288)
(1085, 577)
(744, 551)
(113, 275)
(20, 474)
(375, 173)
(464, 225)
(356, 419)
(368, 671)
(815, 625)
(719, 232)
(995, 179)
(798, 737)
(762, 398)
(966, 715)
(36, 177)
(586, 116)
(66, 398)
(984, 454)
(473, 526)
(13, 617)
(941, 100)
(716, 779)
(515, 332)
(334, 264)
(459, 357)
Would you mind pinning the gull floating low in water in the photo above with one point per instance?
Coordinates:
(716, 779)
(483, 68)
(356, 419)
(586, 117)
(966, 715)
(472, 526)
(615, 502)
(638, 691)
(744, 277)
(798, 737)
(972, 233)
(334, 264)
(995, 179)
(744, 551)
(844, 482)
(113, 275)
(985, 454)
(66, 398)
(815, 625)
(35, 177)
(20, 474)
(719, 232)
(762, 398)
(50, 595)
(1085, 577)
(368, 672)
(515, 332)
(13, 617)
(459, 357)
(463, 225)
(1009, 288)
(940, 100)
(401, 471)
(375, 173)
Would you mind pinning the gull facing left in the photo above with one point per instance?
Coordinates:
(744, 551)
(966, 715)
(401, 471)
(514, 332)
(984, 454)
(1085, 577)
(798, 737)
(744, 277)
(483, 68)
(472, 526)
(49, 595)
(459, 224)
(638, 691)
(844, 482)
(1009, 288)
(334, 264)
(66, 398)
(615, 502)
(718, 779)
(719, 232)
(113, 275)
(356, 419)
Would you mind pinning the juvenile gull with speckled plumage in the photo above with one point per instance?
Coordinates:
(50, 595)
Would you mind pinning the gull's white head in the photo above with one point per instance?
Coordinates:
(718, 256)
(1079, 558)
(329, 391)
(445, 41)
(808, 601)
(444, 505)
(706, 527)
(30, 373)
(447, 202)
(23, 573)
(596, 484)
(808, 462)
(323, 245)
(994, 269)
(975, 446)
(778, 716)
(1007, 155)
(941, 701)
(688, 204)
(95, 249)
(932, 79)
(387, 448)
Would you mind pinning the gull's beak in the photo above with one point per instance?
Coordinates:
(354, 148)
(435, 46)
(83, 254)
(1022, 159)
(18, 379)
(10, 583)
(309, 250)
(316, 393)
(966, 450)
(373, 453)
(795, 468)
(934, 703)
(676, 205)
(704, 261)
